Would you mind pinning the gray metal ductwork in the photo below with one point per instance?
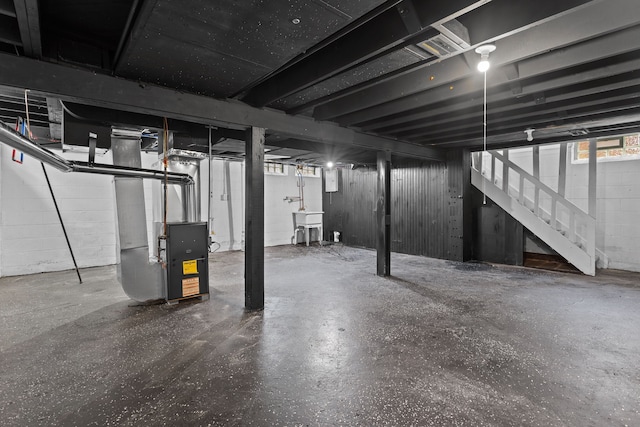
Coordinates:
(127, 172)
(140, 279)
(19, 142)
(190, 192)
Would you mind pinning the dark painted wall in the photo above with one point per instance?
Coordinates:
(419, 209)
(428, 213)
(351, 210)
(498, 237)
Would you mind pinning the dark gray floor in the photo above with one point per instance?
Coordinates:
(440, 343)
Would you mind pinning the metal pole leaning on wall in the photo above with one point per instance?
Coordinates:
(64, 230)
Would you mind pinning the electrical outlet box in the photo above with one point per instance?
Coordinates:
(224, 197)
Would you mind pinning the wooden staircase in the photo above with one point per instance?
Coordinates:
(566, 228)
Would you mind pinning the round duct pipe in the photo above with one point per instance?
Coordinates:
(140, 279)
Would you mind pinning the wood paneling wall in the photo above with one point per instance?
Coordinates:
(428, 213)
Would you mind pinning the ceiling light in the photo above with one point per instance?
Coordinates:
(329, 165)
(529, 133)
(484, 52)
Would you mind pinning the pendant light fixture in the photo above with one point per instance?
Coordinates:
(483, 67)
(484, 52)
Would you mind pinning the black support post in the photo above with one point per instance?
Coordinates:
(460, 227)
(254, 220)
(383, 214)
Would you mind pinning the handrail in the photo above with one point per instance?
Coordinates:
(571, 227)
(548, 190)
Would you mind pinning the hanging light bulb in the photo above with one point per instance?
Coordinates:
(483, 67)
(484, 52)
(484, 64)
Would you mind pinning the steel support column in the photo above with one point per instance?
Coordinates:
(383, 214)
(254, 220)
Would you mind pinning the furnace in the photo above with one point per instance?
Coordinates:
(186, 260)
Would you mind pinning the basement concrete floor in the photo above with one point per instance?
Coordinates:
(440, 343)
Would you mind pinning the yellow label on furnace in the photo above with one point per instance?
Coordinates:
(190, 286)
(189, 267)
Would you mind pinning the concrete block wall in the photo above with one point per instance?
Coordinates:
(277, 212)
(617, 209)
(278, 220)
(31, 239)
(227, 203)
(618, 200)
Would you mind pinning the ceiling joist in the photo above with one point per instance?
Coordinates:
(539, 39)
(28, 17)
(105, 91)
(388, 29)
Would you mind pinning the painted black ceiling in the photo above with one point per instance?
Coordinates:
(404, 69)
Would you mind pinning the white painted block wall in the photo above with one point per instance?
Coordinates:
(31, 239)
(278, 220)
(617, 209)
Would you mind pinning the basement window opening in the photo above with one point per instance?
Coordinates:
(608, 149)
(307, 170)
(274, 168)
